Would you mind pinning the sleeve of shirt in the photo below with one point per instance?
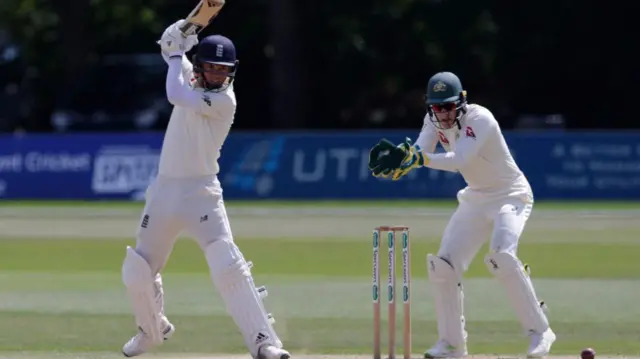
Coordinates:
(473, 135)
(179, 93)
(187, 67)
(428, 137)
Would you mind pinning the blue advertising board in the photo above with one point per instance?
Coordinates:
(307, 166)
(74, 166)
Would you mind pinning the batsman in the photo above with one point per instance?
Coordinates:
(494, 205)
(186, 196)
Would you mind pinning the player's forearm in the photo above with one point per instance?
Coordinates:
(466, 149)
(187, 67)
(176, 90)
(449, 161)
(426, 141)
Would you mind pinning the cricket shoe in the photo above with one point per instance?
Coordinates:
(140, 343)
(442, 349)
(541, 343)
(271, 352)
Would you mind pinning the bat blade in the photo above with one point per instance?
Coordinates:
(201, 16)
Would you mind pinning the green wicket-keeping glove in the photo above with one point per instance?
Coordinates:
(414, 159)
(385, 157)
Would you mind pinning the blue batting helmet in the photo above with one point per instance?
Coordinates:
(216, 50)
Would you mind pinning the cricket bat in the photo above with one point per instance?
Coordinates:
(201, 16)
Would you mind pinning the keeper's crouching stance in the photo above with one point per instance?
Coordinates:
(495, 204)
(187, 196)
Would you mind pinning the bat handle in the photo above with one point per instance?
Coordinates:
(184, 29)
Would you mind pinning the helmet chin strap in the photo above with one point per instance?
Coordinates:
(461, 112)
(203, 83)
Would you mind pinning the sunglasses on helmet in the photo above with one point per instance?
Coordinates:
(444, 107)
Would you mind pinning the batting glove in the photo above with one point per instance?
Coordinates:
(190, 41)
(173, 43)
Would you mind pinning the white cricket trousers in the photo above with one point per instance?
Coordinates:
(502, 221)
(195, 206)
(173, 206)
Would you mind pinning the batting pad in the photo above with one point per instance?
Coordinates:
(512, 274)
(448, 298)
(137, 277)
(231, 275)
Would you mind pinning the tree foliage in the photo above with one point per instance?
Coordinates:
(335, 62)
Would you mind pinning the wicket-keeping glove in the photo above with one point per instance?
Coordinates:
(385, 157)
(414, 159)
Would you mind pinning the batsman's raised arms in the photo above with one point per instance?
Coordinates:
(201, 16)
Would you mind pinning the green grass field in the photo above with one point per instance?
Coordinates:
(61, 294)
(578, 204)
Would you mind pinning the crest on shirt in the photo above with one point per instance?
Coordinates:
(443, 138)
(469, 132)
(206, 99)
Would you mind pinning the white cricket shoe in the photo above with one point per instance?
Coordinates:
(270, 352)
(442, 349)
(541, 343)
(140, 343)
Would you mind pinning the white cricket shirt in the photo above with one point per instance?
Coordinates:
(479, 152)
(199, 124)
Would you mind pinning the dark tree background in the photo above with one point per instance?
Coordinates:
(340, 64)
